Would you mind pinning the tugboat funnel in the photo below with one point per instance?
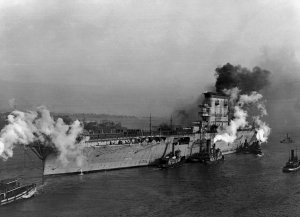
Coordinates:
(292, 154)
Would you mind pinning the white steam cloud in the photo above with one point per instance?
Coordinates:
(254, 97)
(263, 131)
(240, 116)
(24, 128)
(239, 121)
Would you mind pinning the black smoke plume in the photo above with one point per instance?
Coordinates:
(227, 77)
(186, 114)
(283, 98)
(230, 76)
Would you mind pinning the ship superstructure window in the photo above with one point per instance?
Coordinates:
(218, 108)
(225, 103)
(225, 113)
(184, 140)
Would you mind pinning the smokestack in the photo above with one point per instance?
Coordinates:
(292, 154)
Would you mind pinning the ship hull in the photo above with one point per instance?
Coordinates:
(109, 157)
(23, 195)
(288, 170)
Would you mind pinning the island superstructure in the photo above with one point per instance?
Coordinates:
(126, 152)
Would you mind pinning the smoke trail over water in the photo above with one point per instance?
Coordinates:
(24, 128)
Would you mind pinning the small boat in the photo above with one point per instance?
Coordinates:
(214, 156)
(207, 155)
(11, 190)
(293, 163)
(260, 155)
(171, 160)
(253, 148)
(244, 148)
(287, 140)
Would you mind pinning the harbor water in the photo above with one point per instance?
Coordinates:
(242, 185)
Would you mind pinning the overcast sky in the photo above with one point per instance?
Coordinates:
(132, 57)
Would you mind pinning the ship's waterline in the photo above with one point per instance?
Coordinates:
(217, 120)
(109, 157)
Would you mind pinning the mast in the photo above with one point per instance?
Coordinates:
(150, 126)
(24, 162)
(200, 135)
(171, 124)
(199, 122)
(173, 148)
(43, 169)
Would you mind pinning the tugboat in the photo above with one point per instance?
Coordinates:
(11, 190)
(213, 156)
(207, 155)
(293, 163)
(254, 148)
(287, 140)
(243, 148)
(172, 159)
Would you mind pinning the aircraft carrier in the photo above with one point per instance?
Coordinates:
(117, 153)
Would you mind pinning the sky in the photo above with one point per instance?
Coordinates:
(135, 57)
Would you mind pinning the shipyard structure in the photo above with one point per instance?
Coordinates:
(134, 151)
